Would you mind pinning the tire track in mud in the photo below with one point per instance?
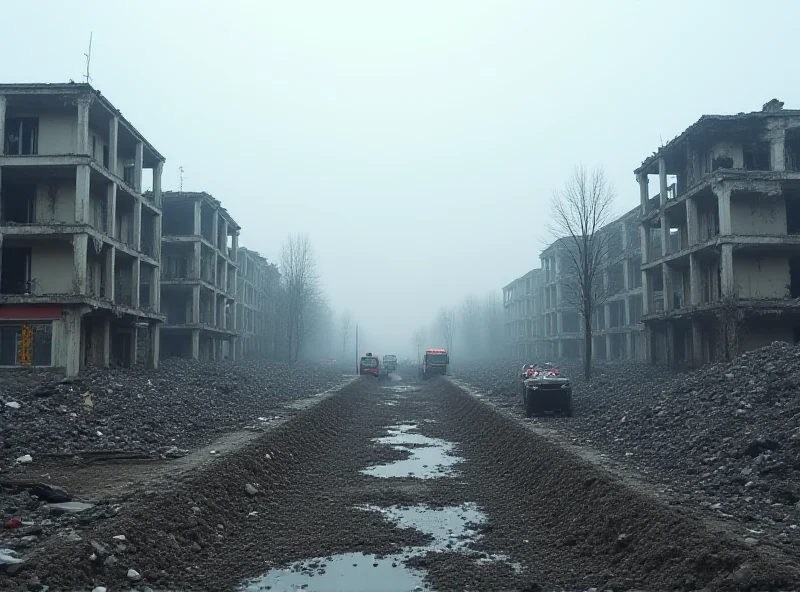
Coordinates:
(560, 520)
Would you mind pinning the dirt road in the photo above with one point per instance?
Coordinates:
(399, 486)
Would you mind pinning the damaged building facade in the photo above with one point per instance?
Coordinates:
(721, 237)
(708, 265)
(523, 315)
(198, 282)
(617, 331)
(257, 290)
(80, 242)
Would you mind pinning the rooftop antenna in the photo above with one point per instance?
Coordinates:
(86, 77)
(180, 168)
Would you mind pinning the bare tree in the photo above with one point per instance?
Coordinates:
(301, 282)
(418, 339)
(470, 327)
(346, 329)
(581, 209)
(446, 323)
(494, 332)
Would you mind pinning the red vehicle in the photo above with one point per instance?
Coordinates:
(370, 364)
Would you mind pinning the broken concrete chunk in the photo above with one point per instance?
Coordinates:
(70, 507)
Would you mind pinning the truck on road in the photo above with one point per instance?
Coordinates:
(434, 362)
(390, 363)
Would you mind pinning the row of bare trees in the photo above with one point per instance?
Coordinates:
(471, 331)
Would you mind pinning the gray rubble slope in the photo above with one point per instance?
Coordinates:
(181, 405)
(725, 437)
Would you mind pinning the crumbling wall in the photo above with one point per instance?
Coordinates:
(753, 214)
(761, 277)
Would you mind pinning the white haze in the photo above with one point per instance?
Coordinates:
(416, 143)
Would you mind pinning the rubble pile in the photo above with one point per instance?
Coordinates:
(155, 412)
(725, 437)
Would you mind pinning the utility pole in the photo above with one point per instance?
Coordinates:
(356, 348)
(86, 77)
(180, 168)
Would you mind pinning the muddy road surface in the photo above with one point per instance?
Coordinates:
(399, 486)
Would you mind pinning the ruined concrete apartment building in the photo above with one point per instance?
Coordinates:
(198, 283)
(707, 268)
(542, 317)
(79, 271)
(721, 239)
(257, 286)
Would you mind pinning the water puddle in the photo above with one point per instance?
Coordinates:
(402, 388)
(450, 528)
(348, 572)
(429, 458)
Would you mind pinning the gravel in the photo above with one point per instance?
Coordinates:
(162, 412)
(725, 438)
(564, 521)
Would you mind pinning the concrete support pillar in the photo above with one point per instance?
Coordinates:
(697, 343)
(136, 274)
(138, 161)
(644, 191)
(215, 310)
(195, 304)
(726, 271)
(559, 323)
(198, 219)
(647, 294)
(80, 251)
(692, 222)
(665, 243)
(83, 104)
(158, 171)
(645, 237)
(777, 151)
(68, 341)
(215, 229)
(670, 344)
(82, 194)
(224, 246)
(137, 224)
(113, 143)
(662, 180)
(629, 345)
(155, 346)
(724, 204)
(223, 314)
(157, 226)
(196, 344)
(649, 344)
(197, 261)
(626, 274)
(111, 278)
(224, 278)
(106, 344)
(609, 347)
(669, 293)
(155, 289)
(560, 348)
(695, 280)
(2, 124)
(111, 210)
(134, 346)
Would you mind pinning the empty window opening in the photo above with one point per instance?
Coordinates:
(793, 215)
(792, 149)
(18, 203)
(757, 156)
(16, 267)
(22, 136)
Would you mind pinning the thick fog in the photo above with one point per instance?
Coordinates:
(416, 144)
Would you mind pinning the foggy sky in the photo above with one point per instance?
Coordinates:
(417, 143)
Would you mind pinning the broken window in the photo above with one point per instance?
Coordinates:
(22, 136)
(794, 277)
(16, 266)
(757, 156)
(18, 203)
(793, 215)
(128, 174)
(28, 344)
